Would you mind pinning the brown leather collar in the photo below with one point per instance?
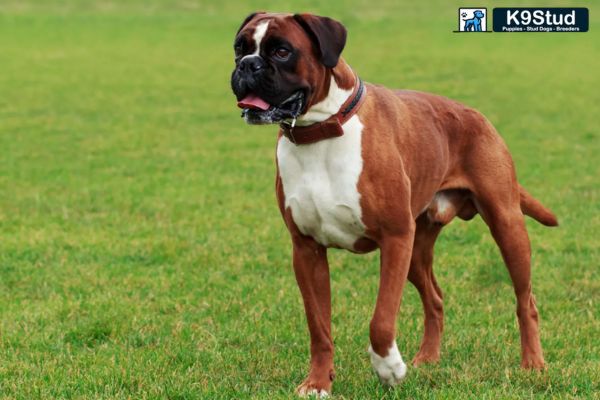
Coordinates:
(332, 126)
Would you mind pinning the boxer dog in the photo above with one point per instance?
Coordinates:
(362, 167)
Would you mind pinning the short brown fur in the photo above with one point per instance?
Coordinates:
(414, 145)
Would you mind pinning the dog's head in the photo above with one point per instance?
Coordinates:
(478, 14)
(283, 64)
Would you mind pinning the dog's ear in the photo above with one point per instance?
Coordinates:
(328, 35)
(248, 19)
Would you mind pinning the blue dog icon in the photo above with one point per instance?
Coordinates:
(474, 24)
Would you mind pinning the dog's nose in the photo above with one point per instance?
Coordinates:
(251, 64)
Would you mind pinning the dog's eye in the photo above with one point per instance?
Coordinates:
(238, 50)
(282, 53)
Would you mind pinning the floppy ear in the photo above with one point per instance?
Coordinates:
(248, 18)
(327, 34)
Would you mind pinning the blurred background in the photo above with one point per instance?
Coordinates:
(142, 254)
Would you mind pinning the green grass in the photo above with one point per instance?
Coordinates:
(142, 254)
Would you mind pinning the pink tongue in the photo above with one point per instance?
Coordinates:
(252, 101)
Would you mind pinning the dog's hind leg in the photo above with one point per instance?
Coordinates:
(421, 275)
(501, 211)
(495, 193)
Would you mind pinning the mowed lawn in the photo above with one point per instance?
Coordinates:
(142, 254)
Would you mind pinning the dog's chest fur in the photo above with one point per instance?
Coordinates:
(320, 186)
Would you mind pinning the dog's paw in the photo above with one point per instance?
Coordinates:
(534, 362)
(426, 357)
(318, 382)
(390, 369)
(308, 391)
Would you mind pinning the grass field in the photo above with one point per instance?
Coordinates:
(142, 254)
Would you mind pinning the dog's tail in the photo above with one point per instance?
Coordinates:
(536, 210)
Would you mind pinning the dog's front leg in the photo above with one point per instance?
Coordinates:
(395, 261)
(312, 274)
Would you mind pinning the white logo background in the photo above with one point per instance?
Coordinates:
(469, 16)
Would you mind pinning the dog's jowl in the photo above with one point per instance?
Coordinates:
(362, 167)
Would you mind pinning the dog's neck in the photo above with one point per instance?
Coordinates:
(339, 83)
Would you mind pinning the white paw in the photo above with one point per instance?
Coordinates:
(390, 369)
(312, 392)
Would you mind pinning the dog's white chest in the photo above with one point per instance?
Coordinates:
(320, 186)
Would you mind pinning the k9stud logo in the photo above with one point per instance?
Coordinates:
(472, 19)
(524, 19)
(520, 19)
